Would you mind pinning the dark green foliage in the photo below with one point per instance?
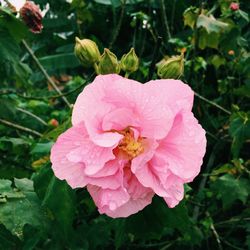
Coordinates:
(38, 211)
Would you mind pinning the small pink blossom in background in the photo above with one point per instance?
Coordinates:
(32, 16)
(130, 141)
(234, 6)
(53, 122)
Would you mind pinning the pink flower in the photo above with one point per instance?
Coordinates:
(130, 141)
(234, 6)
(32, 16)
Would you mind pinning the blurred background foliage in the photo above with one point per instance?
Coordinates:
(37, 211)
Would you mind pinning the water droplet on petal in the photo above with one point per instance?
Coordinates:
(112, 205)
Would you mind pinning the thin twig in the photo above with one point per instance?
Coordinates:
(33, 115)
(215, 233)
(217, 237)
(8, 92)
(169, 245)
(118, 27)
(196, 41)
(173, 15)
(212, 103)
(51, 82)
(233, 220)
(164, 19)
(19, 127)
(150, 245)
(231, 245)
(210, 163)
(154, 59)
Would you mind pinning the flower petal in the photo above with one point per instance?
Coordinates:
(146, 104)
(75, 148)
(90, 109)
(175, 191)
(108, 198)
(178, 95)
(149, 178)
(64, 169)
(131, 207)
(119, 119)
(184, 147)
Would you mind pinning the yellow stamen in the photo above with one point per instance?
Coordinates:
(130, 145)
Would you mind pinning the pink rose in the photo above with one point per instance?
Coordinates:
(234, 6)
(130, 141)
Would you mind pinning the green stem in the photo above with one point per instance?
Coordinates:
(33, 116)
(153, 62)
(165, 20)
(118, 27)
(212, 103)
(19, 127)
(127, 75)
(51, 82)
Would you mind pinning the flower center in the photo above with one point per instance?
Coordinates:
(129, 144)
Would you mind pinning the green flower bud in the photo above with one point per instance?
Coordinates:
(87, 52)
(130, 61)
(171, 68)
(108, 63)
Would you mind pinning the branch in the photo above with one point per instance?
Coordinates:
(10, 91)
(51, 82)
(118, 27)
(19, 127)
(164, 19)
(233, 220)
(217, 237)
(212, 103)
(153, 62)
(231, 245)
(32, 115)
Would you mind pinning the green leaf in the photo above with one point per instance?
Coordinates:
(230, 189)
(117, 3)
(9, 51)
(53, 134)
(42, 148)
(8, 110)
(208, 40)
(242, 91)
(21, 207)
(8, 241)
(60, 61)
(190, 16)
(210, 24)
(158, 220)
(244, 15)
(57, 196)
(16, 28)
(239, 130)
(217, 61)
(229, 39)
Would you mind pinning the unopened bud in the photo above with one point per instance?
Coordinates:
(53, 122)
(234, 6)
(87, 52)
(32, 16)
(231, 52)
(108, 63)
(130, 61)
(171, 68)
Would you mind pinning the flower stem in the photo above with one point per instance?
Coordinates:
(51, 82)
(19, 127)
